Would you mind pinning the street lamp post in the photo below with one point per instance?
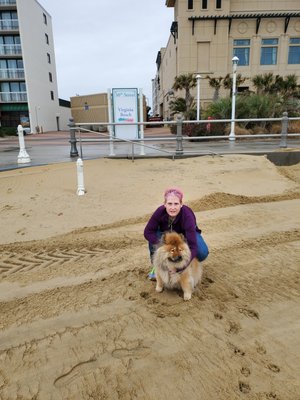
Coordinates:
(37, 108)
(198, 77)
(235, 61)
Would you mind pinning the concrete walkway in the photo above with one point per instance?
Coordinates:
(54, 147)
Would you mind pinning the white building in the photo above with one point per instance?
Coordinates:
(28, 82)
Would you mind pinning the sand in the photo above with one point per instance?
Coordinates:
(79, 318)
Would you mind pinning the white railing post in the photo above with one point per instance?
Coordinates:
(80, 177)
(110, 127)
(179, 148)
(142, 149)
(23, 157)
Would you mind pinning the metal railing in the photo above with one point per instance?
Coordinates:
(12, 73)
(178, 138)
(9, 25)
(10, 49)
(17, 97)
(7, 2)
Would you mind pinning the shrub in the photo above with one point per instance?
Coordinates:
(220, 109)
(8, 131)
(250, 106)
(294, 127)
(202, 129)
(292, 106)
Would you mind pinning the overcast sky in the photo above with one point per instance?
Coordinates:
(102, 44)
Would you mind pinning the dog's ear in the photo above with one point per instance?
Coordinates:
(183, 237)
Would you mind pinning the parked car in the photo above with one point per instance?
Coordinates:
(156, 118)
(26, 130)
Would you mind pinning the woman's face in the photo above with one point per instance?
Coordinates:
(173, 205)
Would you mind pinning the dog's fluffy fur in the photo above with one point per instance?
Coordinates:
(172, 256)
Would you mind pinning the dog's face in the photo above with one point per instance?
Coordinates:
(175, 246)
(174, 251)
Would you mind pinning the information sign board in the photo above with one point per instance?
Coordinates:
(125, 111)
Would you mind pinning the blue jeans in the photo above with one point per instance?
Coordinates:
(202, 249)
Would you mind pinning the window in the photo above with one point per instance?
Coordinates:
(294, 51)
(8, 15)
(9, 20)
(15, 87)
(218, 3)
(269, 49)
(47, 38)
(13, 91)
(11, 64)
(50, 77)
(52, 95)
(204, 4)
(48, 58)
(241, 49)
(10, 45)
(190, 4)
(22, 86)
(45, 18)
(10, 39)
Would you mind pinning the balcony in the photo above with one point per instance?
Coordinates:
(16, 73)
(10, 50)
(8, 2)
(9, 25)
(13, 97)
(8, 5)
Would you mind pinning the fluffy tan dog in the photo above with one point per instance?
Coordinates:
(173, 269)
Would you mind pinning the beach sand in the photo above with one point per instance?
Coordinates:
(79, 318)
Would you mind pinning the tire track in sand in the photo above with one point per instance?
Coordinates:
(19, 257)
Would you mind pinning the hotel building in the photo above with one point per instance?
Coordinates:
(207, 34)
(28, 83)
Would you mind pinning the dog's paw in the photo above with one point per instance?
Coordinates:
(159, 289)
(187, 296)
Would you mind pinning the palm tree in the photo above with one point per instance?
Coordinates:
(215, 83)
(258, 83)
(227, 81)
(266, 83)
(186, 82)
(290, 86)
(177, 106)
(291, 81)
(270, 84)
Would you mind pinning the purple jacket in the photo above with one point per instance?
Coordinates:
(185, 223)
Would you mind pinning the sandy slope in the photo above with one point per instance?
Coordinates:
(80, 320)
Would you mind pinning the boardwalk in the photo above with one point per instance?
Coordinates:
(54, 147)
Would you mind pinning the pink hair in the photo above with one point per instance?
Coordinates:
(175, 192)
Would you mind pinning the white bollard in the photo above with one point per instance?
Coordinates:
(23, 156)
(141, 127)
(80, 179)
(110, 127)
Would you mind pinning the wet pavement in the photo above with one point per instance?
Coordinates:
(54, 147)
